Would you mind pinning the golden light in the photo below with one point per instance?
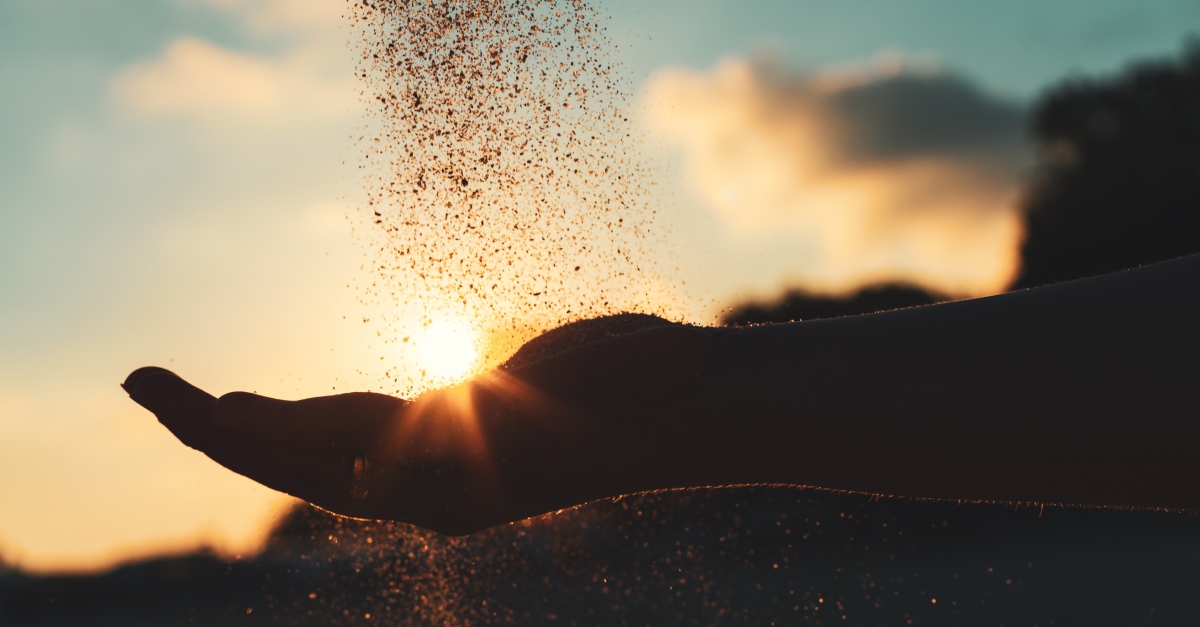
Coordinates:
(448, 350)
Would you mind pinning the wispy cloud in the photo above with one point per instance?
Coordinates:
(888, 171)
(199, 80)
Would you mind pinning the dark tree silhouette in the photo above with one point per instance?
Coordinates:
(799, 305)
(1117, 186)
(1119, 178)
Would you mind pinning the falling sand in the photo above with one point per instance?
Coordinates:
(507, 193)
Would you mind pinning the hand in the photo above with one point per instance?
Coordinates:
(513, 443)
(345, 453)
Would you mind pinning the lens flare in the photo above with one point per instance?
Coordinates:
(448, 350)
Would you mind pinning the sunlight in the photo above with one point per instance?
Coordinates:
(447, 349)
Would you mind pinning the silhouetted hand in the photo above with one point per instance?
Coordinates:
(345, 453)
(458, 460)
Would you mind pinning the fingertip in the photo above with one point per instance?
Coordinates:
(160, 389)
(181, 407)
(131, 382)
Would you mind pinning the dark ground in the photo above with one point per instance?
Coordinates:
(757, 556)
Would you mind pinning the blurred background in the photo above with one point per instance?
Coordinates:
(175, 184)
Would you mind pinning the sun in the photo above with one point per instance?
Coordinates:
(447, 350)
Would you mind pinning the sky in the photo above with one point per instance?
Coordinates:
(175, 178)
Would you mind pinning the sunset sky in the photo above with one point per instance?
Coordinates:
(175, 178)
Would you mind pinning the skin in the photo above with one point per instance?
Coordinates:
(1078, 393)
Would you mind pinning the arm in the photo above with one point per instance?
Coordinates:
(1077, 393)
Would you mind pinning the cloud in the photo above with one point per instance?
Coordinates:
(196, 79)
(312, 77)
(891, 171)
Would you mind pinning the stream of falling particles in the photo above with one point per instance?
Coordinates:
(506, 194)
(506, 188)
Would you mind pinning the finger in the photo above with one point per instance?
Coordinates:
(321, 477)
(181, 407)
(345, 422)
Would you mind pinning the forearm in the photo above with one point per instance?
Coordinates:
(1077, 393)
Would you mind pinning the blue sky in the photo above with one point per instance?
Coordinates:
(133, 232)
(1014, 48)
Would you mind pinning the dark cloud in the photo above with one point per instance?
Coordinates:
(885, 172)
(910, 115)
